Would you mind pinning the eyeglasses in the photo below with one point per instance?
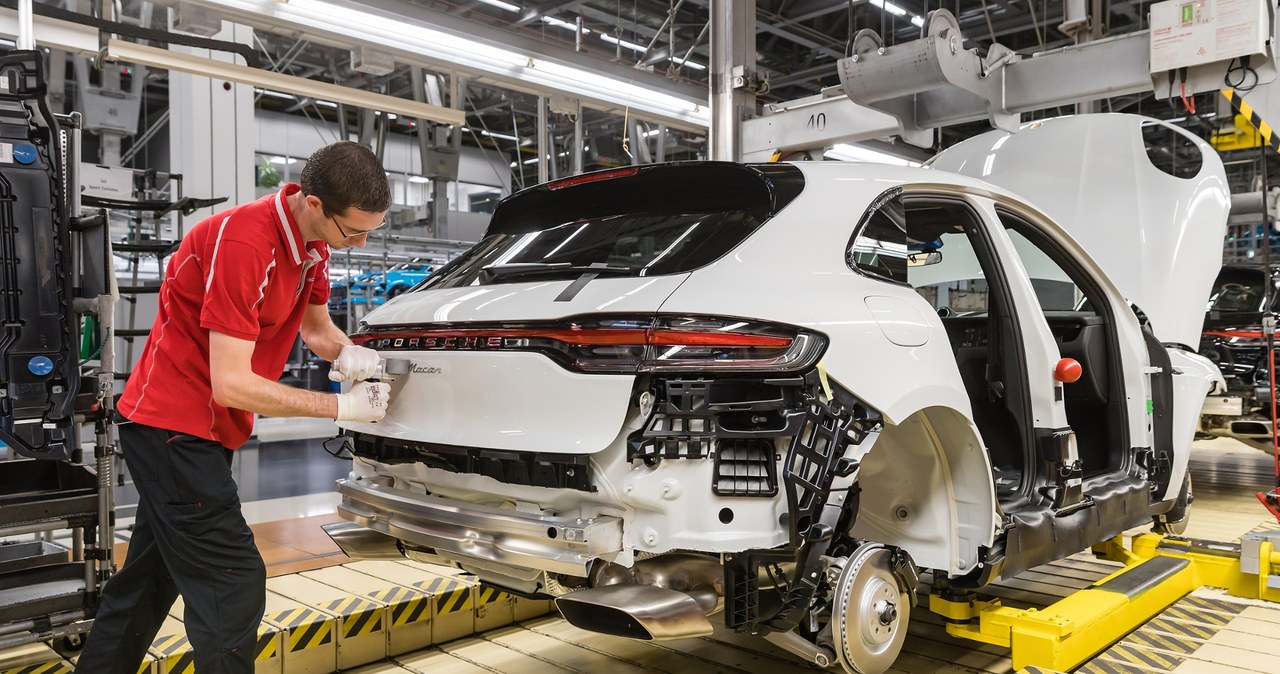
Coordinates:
(354, 233)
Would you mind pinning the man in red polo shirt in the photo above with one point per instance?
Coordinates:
(242, 286)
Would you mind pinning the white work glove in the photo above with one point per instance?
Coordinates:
(365, 402)
(354, 363)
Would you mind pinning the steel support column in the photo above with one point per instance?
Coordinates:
(544, 141)
(579, 141)
(733, 65)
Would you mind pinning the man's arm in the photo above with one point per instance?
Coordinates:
(350, 362)
(236, 385)
(320, 334)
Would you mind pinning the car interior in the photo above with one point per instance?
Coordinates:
(986, 343)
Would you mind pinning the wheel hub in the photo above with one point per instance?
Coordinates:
(887, 611)
(869, 612)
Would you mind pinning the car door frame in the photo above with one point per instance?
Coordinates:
(1038, 352)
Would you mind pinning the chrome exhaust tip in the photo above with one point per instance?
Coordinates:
(636, 612)
(361, 543)
(1251, 428)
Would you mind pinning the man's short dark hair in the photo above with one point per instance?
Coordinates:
(346, 175)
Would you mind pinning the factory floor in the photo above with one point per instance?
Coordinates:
(287, 488)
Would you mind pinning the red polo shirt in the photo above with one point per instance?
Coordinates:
(247, 273)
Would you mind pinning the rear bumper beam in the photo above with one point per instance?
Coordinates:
(557, 544)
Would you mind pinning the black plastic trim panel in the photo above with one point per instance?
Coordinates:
(534, 469)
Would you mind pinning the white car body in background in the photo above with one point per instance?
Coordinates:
(654, 446)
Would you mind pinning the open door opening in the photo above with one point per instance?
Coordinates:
(961, 277)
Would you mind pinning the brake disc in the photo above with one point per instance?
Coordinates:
(869, 612)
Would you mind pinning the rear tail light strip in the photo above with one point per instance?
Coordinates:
(625, 345)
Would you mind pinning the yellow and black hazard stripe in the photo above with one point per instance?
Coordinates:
(407, 606)
(1031, 669)
(491, 595)
(1210, 604)
(1264, 129)
(267, 646)
(359, 616)
(1145, 638)
(307, 627)
(175, 651)
(451, 596)
(1142, 657)
(1183, 629)
(1110, 667)
(55, 667)
(1189, 613)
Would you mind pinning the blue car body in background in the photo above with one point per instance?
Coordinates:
(375, 287)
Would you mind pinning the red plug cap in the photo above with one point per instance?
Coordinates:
(1068, 371)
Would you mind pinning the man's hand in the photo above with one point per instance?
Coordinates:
(354, 363)
(365, 402)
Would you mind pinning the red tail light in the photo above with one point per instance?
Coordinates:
(624, 344)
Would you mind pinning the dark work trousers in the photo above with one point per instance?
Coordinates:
(189, 538)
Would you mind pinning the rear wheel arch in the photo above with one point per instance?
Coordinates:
(927, 487)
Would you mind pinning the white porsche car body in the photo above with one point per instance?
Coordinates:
(779, 391)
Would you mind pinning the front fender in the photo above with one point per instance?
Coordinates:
(1194, 378)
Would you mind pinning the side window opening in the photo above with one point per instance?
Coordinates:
(880, 248)
(953, 281)
(1054, 287)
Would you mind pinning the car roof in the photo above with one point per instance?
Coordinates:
(845, 170)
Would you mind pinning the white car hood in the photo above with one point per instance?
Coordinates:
(1159, 237)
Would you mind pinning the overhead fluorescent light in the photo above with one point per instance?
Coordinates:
(419, 179)
(279, 160)
(550, 20)
(561, 23)
(343, 20)
(500, 136)
(294, 97)
(613, 40)
(691, 64)
(490, 134)
(917, 21)
(889, 7)
(275, 94)
(846, 152)
(502, 5)
(530, 161)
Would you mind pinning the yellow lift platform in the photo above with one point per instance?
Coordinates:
(1159, 571)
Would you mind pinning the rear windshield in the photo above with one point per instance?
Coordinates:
(667, 220)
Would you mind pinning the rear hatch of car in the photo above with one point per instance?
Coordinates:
(532, 340)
